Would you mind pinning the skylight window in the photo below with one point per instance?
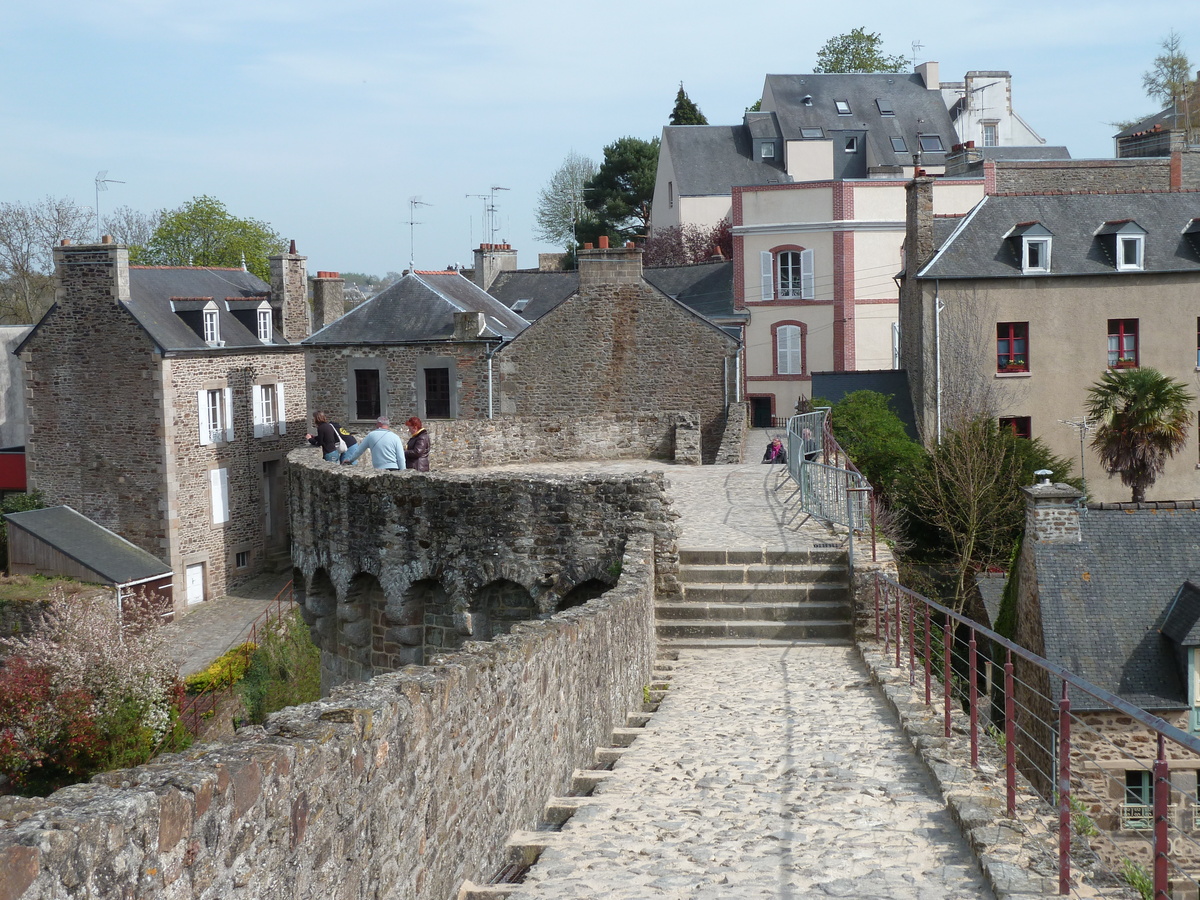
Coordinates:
(899, 146)
(843, 107)
(520, 305)
(931, 143)
(812, 134)
(885, 107)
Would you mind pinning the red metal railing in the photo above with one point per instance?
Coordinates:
(1075, 743)
(196, 708)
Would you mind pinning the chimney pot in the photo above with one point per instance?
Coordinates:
(292, 246)
(106, 239)
(604, 242)
(585, 246)
(65, 242)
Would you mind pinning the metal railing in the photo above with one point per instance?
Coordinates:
(1074, 743)
(196, 708)
(830, 486)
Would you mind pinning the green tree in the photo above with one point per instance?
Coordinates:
(1169, 80)
(1141, 417)
(560, 202)
(623, 187)
(858, 51)
(757, 107)
(874, 438)
(202, 232)
(686, 112)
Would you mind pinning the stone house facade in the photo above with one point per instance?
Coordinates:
(1015, 309)
(161, 403)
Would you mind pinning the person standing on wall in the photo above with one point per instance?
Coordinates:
(417, 454)
(387, 450)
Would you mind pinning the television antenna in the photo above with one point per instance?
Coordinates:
(483, 220)
(413, 203)
(917, 47)
(1083, 425)
(492, 226)
(102, 183)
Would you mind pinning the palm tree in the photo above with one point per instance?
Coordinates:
(1142, 418)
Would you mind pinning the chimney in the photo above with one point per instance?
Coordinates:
(1052, 513)
(468, 325)
(929, 74)
(918, 225)
(329, 299)
(87, 273)
(609, 265)
(289, 283)
(491, 260)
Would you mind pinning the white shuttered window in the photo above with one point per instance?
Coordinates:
(789, 355)
(219, 484)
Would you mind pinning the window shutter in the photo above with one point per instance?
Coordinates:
(229, 414)
(787, 348)
(807, 279)
(768, 275)
(219, 481)
(280, 409)
(205, 426)
(257, 392)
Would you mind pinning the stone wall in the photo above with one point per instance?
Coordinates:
(402, 787)
(397, 568)
(87, 445)
(620, 348)
(1070, 176)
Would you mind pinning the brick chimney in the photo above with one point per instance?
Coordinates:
(1052, 513)
(329, 299)
(289, 282)
(609, 265)
(918, 224)
(86, 273)
(491, 260)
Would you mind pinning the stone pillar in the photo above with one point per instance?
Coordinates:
(329, 299)
(917, 312)
(289, 283)
(491, 260)
(609, 265)
(1052, 513)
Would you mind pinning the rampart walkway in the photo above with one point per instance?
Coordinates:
(767, 772)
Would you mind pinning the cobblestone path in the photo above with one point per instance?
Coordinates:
(767, 772)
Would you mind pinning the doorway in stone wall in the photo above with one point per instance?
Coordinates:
(760, 412)
(195, 584)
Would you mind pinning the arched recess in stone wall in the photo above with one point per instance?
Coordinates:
(582, 593)
(317, 599)
(426, 624)
(360, 618)
(498, 606)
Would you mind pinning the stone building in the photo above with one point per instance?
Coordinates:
(161, 403)
(1018, 307)
(1109, 592)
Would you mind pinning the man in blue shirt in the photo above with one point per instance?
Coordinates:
(387, 450)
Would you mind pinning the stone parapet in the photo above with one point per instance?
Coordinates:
(405, 786)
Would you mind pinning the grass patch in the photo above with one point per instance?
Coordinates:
(26, 588)
(285, 670)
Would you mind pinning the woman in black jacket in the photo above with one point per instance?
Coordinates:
(416, 456)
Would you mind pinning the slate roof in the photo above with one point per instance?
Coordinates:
(1023, 153)
(151, 289)
(706, 288)
(1182, 622)
(1105, 598)
(916, 110)
(892, 383)
(991, 592)
(106, 553)
(543, 290)
(420, 307)
(710, 159)
(981, 248)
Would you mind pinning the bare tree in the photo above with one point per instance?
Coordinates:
(133, 228)
(560, 202)
(28, 234)
(968, 352)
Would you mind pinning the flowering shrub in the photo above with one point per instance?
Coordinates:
(85, 692)
(225, 671)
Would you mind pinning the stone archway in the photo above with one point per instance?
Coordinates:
(582, 593)
(497, 607)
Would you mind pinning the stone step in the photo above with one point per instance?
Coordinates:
(761, 573)
(815, 629)
(835, 610)
(697, 643)
(696, 556)
(765, 593)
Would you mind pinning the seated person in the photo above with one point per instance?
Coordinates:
(776, 453)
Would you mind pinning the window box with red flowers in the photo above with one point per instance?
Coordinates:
(1124, 362)
(1015, 365)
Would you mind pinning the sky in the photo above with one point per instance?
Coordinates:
(325, 120)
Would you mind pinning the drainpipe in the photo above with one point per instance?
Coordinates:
(492, 350)
(938, 306)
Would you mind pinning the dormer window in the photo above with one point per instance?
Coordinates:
(212, 325)
(885, 107)
(843, 107)
(768, 150)
(1125, 242)
(265, 331)
(852, 145)
(1034, 246)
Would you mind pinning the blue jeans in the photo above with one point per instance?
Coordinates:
(333, 456)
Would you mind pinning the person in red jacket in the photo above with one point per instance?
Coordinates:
(416, 457)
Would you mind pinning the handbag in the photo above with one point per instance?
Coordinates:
(341, 447)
